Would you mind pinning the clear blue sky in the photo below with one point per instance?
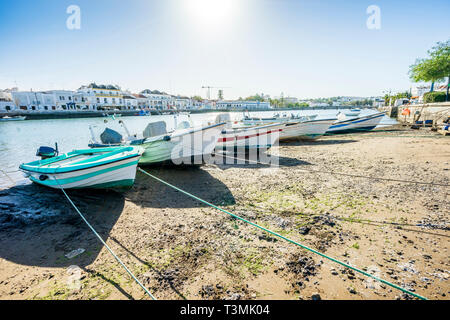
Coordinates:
(301, 48)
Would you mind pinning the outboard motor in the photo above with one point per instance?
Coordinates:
(47, 152)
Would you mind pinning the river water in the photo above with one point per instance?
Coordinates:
(19, 140)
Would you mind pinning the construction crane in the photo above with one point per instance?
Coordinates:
(209, 90)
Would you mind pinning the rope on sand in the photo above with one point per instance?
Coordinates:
(104, 243)
(346, 174)
(287, 239)
(10, 179)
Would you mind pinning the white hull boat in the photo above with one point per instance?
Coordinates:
(104, 168)
(352, 112)
(259, 137)
(18, 118)
(254, 121)
(185, 145)
(307, 130)
(365, 123)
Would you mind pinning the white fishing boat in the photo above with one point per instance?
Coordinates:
(259, 137)
(112, 167)
(352, 112)
(306, 130)
(358, 124)
(252, 121)
(184, 145)
(17, 118)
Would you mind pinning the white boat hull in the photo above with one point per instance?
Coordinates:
(187, 148)
(117, 174)
(253, 138)
(13, 119)
(365, 123)
(309, 130)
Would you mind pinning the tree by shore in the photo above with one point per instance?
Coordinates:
(435, 68)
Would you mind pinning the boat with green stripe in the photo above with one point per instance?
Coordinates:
(187, 144)
(110, 167)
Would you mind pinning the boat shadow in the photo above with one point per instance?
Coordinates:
(38, 226)
(148, 192)
(257, 161)
(321, 142)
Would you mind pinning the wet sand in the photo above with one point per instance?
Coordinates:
(182, 249)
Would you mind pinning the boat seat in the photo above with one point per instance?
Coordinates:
(154, 129)
(223, 117)
(184, 125)
(110, 136)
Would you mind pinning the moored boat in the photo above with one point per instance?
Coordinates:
(252, 121)
(17, 118)
(257, 137)
(306, 130)
(186, 144)
(364, 123)
(104, 168)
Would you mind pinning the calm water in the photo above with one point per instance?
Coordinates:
(19, 140)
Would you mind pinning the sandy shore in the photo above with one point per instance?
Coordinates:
(180, 248)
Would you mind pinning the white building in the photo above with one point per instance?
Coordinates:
(59, 100)
(33, 101)
(182, 102)
(130, 101)
(6, 102)
(420, 90)
(103, 97)
(142, 101)
(319, 104)
(158, 100)
(243, 105)
(290, 100)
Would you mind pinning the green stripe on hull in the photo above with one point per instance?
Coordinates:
(82, 177)
(120, 184)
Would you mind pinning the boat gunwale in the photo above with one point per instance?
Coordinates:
(247, 128)
(338, 125)
(173, 135)
(36, 166)
(359, 119)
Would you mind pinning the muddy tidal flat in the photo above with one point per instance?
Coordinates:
(179, 248)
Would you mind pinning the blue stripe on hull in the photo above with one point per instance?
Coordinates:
(351, 130)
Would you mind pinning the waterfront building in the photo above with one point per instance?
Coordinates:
(378, 102)
(319, 104)
(103, 97)
(196, 104)
(420, 90)
(290, 100)
(142, 101)
(182, 103)
(59, 100)
(33, 101)
(242, 105)
(6, 102)
(130, 102)
(158, 100)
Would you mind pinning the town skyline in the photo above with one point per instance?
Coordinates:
(247, 47)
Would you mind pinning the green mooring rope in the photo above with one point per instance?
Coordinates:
(104, 243)
(284, 238)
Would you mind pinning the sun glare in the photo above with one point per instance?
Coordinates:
(210, 12)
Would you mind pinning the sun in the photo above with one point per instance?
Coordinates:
(210, 12)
